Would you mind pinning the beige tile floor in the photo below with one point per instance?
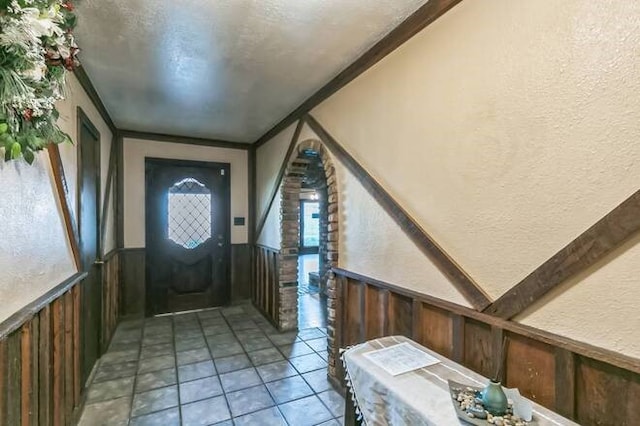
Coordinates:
(217, 367)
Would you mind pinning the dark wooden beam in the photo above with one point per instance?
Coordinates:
(65, 202)
(583, 252)
(251, 167)
(415, 23)
(87, 85)
(160, 137)
(283, 169)
(463, 282)
(119, 195)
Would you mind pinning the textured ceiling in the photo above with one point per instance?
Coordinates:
(223, 69)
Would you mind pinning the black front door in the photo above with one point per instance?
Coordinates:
(89, 225)
(187, 235)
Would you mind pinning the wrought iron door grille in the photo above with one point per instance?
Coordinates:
(189, 211)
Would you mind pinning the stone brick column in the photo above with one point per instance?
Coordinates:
(332, 241)
(328, 245)
(288, 261)
(323, 243)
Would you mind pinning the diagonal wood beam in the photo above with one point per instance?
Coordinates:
(63, 195)
(595, 243)
(276, 185)
(420, 19)
(107, 193)
(459, 278)
(251, 166)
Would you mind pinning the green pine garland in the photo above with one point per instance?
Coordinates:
(37, 48)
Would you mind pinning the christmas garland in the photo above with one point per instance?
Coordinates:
(37, 48)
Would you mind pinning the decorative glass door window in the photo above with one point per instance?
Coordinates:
(189, 211)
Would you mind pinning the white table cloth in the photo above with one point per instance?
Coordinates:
(420, 397)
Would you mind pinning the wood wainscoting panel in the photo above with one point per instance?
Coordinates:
(40, 359)
(565, 382)
(530, 367)
(437, 330)
(57, 328)
(478, 348)
(44, 361)
(606, 394)
(354, 296)
(131, 263)
(240, 272)
(265, 284)
(590, 385)
(67, 302)
(376, 303)
(400, 315)
(133, 281)
(77, 348)
(13, 378)
(110, 297)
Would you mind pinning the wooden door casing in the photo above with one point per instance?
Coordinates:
(180, 275)
(89, 232)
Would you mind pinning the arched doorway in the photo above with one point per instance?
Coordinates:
(310, 168)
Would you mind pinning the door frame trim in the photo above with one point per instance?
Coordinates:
(227, 211)
(84, 120)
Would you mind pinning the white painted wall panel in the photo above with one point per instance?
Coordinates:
(506, 129)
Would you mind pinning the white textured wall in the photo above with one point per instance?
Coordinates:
(507, 119)
(136, 150)
(599, 305)
(271, 235)
(372, 244)
(268, 161)
(35, 254)
(505, 129)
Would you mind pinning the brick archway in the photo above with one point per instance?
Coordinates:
(308, 154)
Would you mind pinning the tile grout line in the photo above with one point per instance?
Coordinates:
(224, 393)
(175, 363)
(314, 393)
(152, 372)
(309, 384)
(135, 376)
(262, 382)
(235, 333)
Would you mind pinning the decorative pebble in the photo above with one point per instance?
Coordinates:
(468, 401)
(478, 412)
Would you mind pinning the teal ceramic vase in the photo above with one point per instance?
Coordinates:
(494, 399)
